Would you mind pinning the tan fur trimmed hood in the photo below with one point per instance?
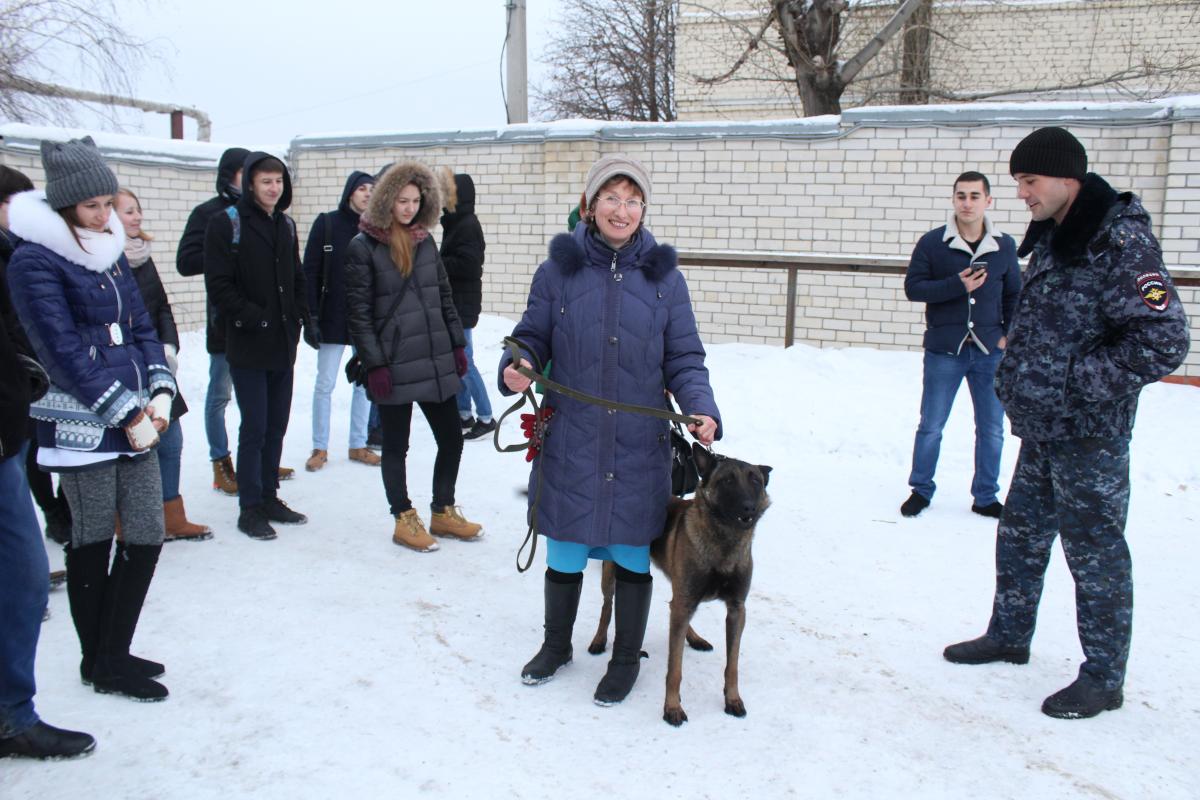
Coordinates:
(387, 188)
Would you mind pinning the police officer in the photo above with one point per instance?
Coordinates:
(1098, 318)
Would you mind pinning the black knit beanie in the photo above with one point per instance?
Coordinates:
(1053, 152)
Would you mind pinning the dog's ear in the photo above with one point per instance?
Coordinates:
(704, 460)
(766, 473)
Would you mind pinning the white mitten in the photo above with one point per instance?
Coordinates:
(172, 358)
(141, 433)
(160, 407)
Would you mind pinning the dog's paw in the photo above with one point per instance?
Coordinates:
(596, 648)
(675, 716)
(735, 707)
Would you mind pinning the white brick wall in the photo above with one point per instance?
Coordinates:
(870, 186)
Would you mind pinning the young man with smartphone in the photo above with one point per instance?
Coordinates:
(966, 273)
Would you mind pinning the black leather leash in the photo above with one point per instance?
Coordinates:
(518, 350)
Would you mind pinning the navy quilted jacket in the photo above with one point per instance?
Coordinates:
(618, 325)
(90, 331)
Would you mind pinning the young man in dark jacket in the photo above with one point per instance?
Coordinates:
(254, 279)
(324, 256)
(462, 254)
(23, 564)
(1098, 319)
(966, 273)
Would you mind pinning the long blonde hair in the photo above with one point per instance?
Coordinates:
(400, 246)
(143, 234)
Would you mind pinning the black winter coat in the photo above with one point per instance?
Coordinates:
(189, 258)
(259, 289)
(408, 325)
(158, 306)
(323, 270)
(462, 253)
(15, 385)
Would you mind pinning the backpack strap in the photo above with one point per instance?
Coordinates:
(236, 221)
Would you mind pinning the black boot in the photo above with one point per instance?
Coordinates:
(985, 650)
(562, 601)
(632, 608)
(1084, 698)
(115, 672)
(58, 521)
(47, 742)
(87, 577)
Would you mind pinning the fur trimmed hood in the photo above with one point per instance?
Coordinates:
(1083, 221)
(570, 251)
(31, 218)
(387, 187)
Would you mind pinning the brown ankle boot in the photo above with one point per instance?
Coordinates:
(365, 455)
(224, 478)
(316, 460)
(451, 522)
(410, 532)
(177, 524)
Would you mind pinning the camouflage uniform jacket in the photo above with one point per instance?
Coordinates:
(1098, 318)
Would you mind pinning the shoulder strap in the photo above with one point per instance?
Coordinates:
(236, 221)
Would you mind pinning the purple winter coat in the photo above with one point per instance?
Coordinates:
(618, 325)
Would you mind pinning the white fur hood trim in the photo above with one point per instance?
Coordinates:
(31, 218)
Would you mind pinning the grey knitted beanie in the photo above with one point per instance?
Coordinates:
(610, 167)
(75, 172)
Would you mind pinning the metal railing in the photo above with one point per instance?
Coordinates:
(794, 263)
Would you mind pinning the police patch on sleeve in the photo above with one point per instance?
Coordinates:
(1153, 289)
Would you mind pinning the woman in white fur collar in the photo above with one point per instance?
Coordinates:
(110, 398)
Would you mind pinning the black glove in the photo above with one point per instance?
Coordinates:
(39, 381)
(312, 336)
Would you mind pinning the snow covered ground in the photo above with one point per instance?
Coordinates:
(331, 663)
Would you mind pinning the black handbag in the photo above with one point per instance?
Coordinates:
(685, 477)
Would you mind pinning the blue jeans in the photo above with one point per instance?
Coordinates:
(943, 375)
(473, 387)
(220, 390)
(24, 585)
(170, 453)
(329, 363)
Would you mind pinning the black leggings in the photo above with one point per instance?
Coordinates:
(447, 432)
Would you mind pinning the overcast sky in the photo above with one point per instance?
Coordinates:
(268, 70)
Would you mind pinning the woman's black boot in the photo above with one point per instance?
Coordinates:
(562, 602)
(115, 672)
(87, 578)
(632, 608)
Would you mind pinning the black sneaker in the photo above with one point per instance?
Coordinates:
(994, 509)
(46, 742)
(1082, 699)
(277, 511)
(985, 650)
(914, 505)
(253, 522)
(467, 423)
(480, 429)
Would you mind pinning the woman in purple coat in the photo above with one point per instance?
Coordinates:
(612, 310)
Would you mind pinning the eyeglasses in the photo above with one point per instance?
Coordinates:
(611, 202)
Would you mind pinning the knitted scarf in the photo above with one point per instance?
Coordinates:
(417, 233)
(137, 250)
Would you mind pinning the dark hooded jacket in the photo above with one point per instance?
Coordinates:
(258, 289)
(619, 325)
(16, 364)
(189, 258)
(408, 325)
(1098, 318)
(323, 271)
(462, 252)
(158, 306)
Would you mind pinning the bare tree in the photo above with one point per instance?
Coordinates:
(40, 39)
(808, 35)
(611, 59)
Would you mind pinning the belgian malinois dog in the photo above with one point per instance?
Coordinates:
(705, 552)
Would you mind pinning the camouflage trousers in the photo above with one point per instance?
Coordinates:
(1078, 489)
